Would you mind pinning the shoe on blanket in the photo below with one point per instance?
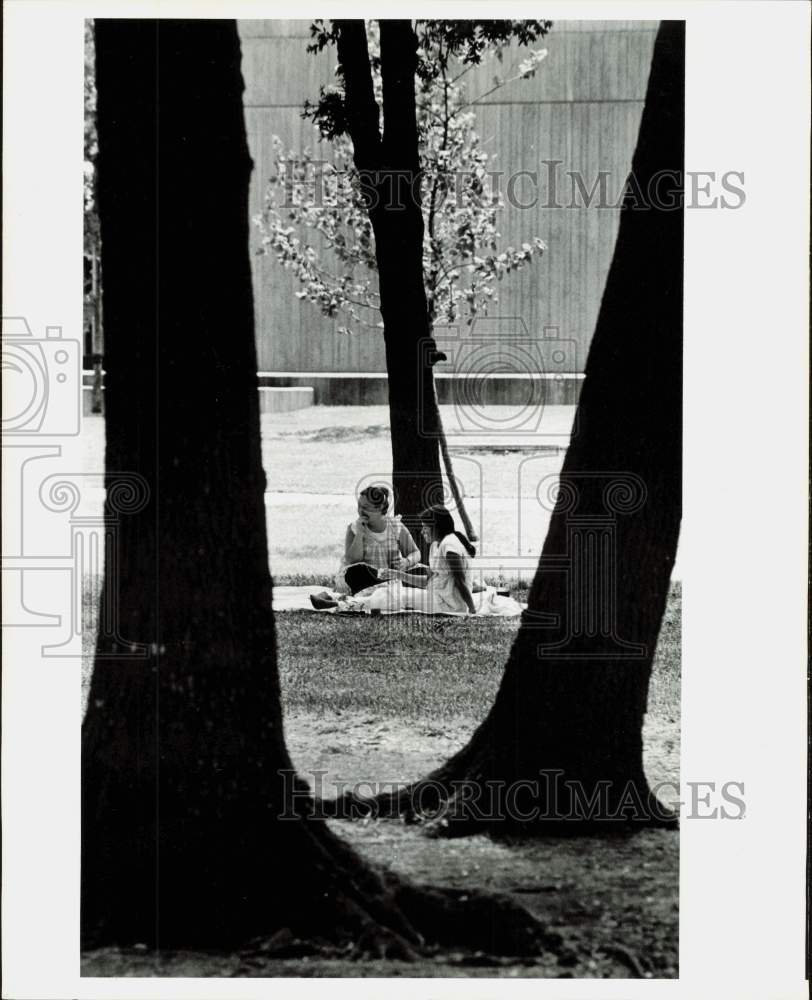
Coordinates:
(322, 601)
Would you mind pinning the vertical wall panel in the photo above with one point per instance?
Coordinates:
(583, 108)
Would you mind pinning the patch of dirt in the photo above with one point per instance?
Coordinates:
(335, 749)
(612, 898)
(525, 450)
(339, 433)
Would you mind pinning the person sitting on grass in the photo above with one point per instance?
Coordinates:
(448, 587)
(375, 542)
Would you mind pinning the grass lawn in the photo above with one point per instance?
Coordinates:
(315, 460)
(389, 699)
(417, 667)
(379, 700)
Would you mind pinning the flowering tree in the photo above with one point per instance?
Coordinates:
(91, 144)
(92, 239)
(399, 243)
(310, 199)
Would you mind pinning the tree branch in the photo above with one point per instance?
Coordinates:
(363, 113)
(436, 252)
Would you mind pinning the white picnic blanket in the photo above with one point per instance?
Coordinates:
(295, 598)
(388, 600)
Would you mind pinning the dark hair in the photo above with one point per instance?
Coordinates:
(377, 496)
(442, 523)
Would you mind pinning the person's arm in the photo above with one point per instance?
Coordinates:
(409, 552)
(420, 580)
(354, 544)
(457, 568)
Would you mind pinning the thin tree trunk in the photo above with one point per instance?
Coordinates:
(567, 720)
(448, 465)
(190, 835)
(390, 168)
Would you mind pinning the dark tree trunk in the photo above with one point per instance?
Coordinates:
(390, 169)
(569, 713)
(185, 774)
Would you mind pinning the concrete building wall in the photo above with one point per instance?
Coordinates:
(582, 109)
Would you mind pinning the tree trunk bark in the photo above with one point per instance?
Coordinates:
(390, 168)
(563, 740)
(413, 423)
(194, 829)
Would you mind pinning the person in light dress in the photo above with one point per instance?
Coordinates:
(448, 586)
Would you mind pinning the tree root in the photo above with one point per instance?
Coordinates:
(315, 897)
(450, 804)
(475, 920)
(473, 926)
(627, 957)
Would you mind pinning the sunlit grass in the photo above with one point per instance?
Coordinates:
(412, 666)
(433, 669)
